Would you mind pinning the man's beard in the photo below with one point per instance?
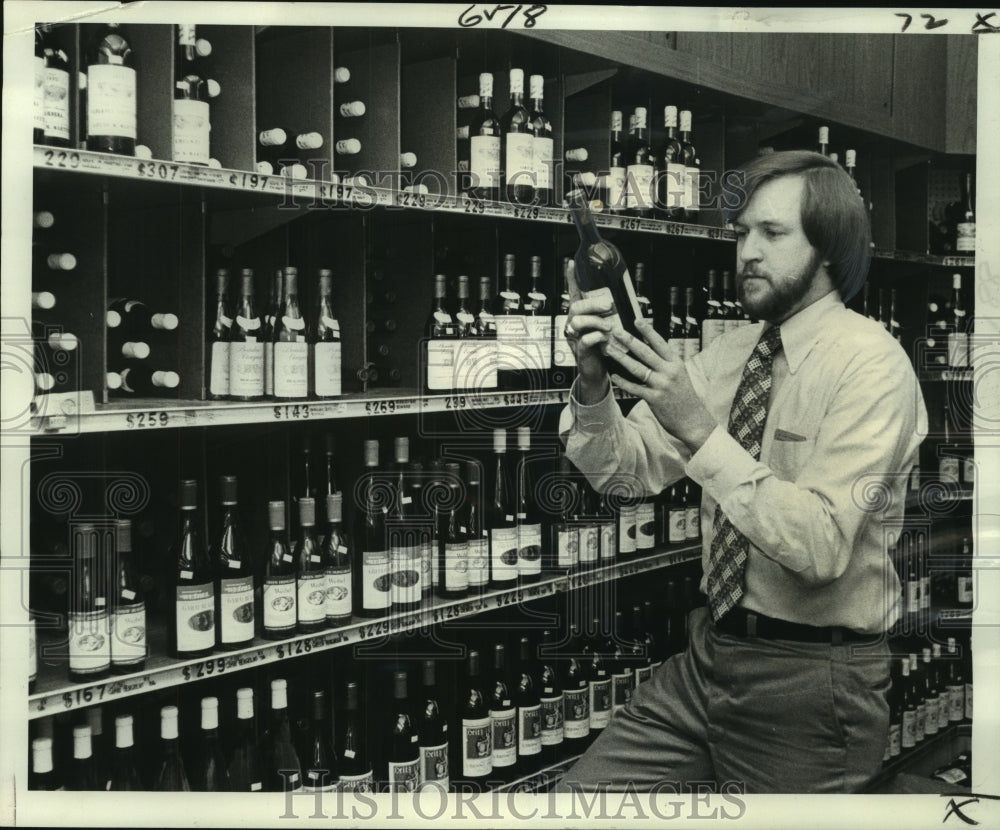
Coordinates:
(777, 304)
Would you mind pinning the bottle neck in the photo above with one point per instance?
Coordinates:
(517, 99)
(486, 103)
(583, 218)
(536, 104)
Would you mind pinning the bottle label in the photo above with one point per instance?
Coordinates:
(56, 104)
(691, 195)
(692, 522)
(191, 131)
(327, 383)
(375, 578)
(676, 190)
(338, 593)
(590, 544)
(477, 747)
(38, 108)
(909, 732)
(933, 712)
(111, 107)
(643, 673)
(291, 370)
(236, 609)
(965, 589)
(441, 364)
(948, 470)
(280, 614)
(504, 726)
(478, 562)
(969, 470)
(520, 159)
(925, 592)
(921, 721)
(269, 369)
(895, 738)
(677, 525)
(456, 566)
(484, 161)
(562, 351)
(607, 536)
(576, 713)
(616, 188)
(958, 350)
(128, 635)
(639, 194)
(710, 329)
(218, 376)
(434, 764)
(89, 642)
(600, 703)
(363, 783)
(476, 363)
(968, 701)
(645, 526)
(539, 347)
(529, 549)
(404, 776)
(426, 565)
(567, 547)
(626, 530)
(956, 702)
(405, 570)
(246, 369)
(551, 718)
(529, 730)
(544, 168)
(311, 597)
(965, 238)
(195, 617)
(622, 689)
(503, 554)
(912, 596)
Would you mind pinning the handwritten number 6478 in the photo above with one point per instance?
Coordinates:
(470, 17)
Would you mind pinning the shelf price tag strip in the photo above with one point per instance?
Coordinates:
(175, 674)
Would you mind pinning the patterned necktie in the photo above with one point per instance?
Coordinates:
(730, 548)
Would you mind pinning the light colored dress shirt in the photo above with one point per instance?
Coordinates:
(825, 500)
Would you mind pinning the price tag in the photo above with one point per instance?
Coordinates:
(187, 574)
(314, 558)
(233, 563)
(286, 558)
(348, 753)
(341, 549)
(128, 594)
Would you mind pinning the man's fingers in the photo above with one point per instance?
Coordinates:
(635, 389)
(628, 342)
(590, 322)
(593, 339)
(658, 344)
(628, 363)
(589, 305)
(574, 288)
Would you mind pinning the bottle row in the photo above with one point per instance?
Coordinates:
(419, 531)
(926, 587)
(927, 696)
(506, 710)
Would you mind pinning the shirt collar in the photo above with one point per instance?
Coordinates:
(800, 332)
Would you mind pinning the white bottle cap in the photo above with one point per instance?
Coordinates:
(420, 189)
(517, 80)
(279, 694)
(43, 219)
(401, 447)
(213, 88)
(244, 704)
(165, 322)
(407, 160)
(956, 280)
(536, 85)
(584, 179)
(135, 350)
(850, 158)
(44, 382)
(824, 135)
(500, 440)
(43, 299)
(273, 138)
(309, 141)
(209, 713)
(264, 168)
(123, 731)
(670, 116)
(577, 154)
(616, 119)
(166, 380)
(168, 723)
(686, 121)
(41, 755)
(462, 133)
(215, 163)
(640, 117)
(295, 171)
(113, 319)
(348, 146)
(524, 438)
(352, 109)
(61, 262)
(468, 102)
(64, 342)
(113, 380)
(143, 152)
(202, 47)
(486, 84)
(341, 75)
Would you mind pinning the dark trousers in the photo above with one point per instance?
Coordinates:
(775, 716)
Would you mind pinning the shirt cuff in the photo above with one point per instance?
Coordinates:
(721, 465)
(594, 418)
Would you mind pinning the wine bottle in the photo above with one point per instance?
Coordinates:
(234, 588)
(355, 768)
(111, 91)
(948, 466)
(550, 695)
(600, 268)
(432, 732)
(43, 774)
(474, 749)
(484, 145)
(170, 775)
(502, 523)
(283, 771)
(954, 684)
(692, 329)
(689, 155)
(311, 579)
(279, 593)
(325, 341)
(606, 527)
(137, 379)
(478, 558)
(486, 355)
(529, 708)
(99, 748)
(53, 114)
(405, 565)
(529, 525)
(191, 115)
(467, 349)
(932, 697)
(319, 765)
(576, 696)
(503, 717)
(372, 586)
(587, 524)
(958, 338)
(616, 179)
(402, 750)
(209, 773)
(714, 323)
(640, 192)
(128, 608)
(441, 332)
(624, 657)
(277, 151)
(246, 346)
(538, 322)
(425, 528)
(599, 680)
(730, 316)
(675, 515)
(645, 525)
(965, 228)
(246, 773)
(542, 143)
(564, 542)
(894, 327)
(453, 555)
(82, 770)
(38, 98)
(512, 332)
(645, 305)
(274, 295)
(193, 623)
(673, 174)
(517, 145)
(917, 681)
(563, 356)
(337, 557)
(645, 645)
(291, 347)
(89, 624)
(218, 339)
(124, 774)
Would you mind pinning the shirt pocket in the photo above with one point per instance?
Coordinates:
(789, 453)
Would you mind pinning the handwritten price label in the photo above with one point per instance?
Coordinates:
(503, 15)
(62, 159)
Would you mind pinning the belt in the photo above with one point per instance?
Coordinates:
(742, 623)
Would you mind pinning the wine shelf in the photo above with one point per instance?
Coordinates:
(945, 375)
(938, 496)
(952, 261)
(542, 780)
(155, 413)
(56, 694)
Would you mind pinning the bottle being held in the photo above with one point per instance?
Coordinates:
(193, 623)
(128, 608)
(111, 91)
(291, 346)
(246, 345)
(563, 357)
(280, 615)
(484, 145)
(338, 553)
(219, 337)
(88, 621)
